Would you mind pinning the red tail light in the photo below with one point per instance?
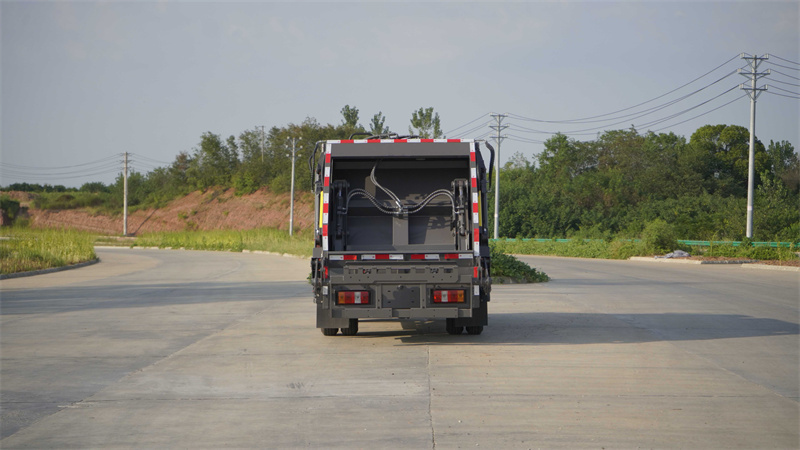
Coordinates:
(450, 296)
(352, 298)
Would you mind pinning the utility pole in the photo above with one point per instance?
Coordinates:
(498, 139)
(262, 141)
(753, 93)
(291, 207)
(125, 196)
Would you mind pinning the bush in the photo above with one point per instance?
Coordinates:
(624, 249)
(10, 207)
(659, 237)
(507, 266)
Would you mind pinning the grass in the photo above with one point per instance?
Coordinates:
(264, 239)
(625, 248)
(575, 248)
(24, 249)
(278, 241)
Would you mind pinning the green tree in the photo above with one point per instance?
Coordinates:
(214, 162)
(350, 116)
(94, 187)
(254, 169)
(784, 163)
(377, 126)
(425, 124)
(721, 154)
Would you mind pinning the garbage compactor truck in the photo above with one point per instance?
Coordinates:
(401, 232)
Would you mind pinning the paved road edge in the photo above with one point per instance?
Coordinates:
(51, 270)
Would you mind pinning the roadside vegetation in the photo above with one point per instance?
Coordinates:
(618, 185)
(264, 239)
(625, 193)
(626, 248)
(507, 266)
(26, 249)
(610, 188)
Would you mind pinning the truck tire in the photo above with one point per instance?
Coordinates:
(474, 331)
(351, 330)
(452, 328)
(330, 331)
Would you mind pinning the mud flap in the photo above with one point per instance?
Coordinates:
(480, 317)
(324, 320)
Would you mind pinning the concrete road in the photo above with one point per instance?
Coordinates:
(194, 349)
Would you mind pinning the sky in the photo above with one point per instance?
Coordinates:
(81, 83)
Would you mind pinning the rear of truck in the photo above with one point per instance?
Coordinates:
(401, 233)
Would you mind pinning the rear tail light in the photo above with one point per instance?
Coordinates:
(450, 296)
(352, 298)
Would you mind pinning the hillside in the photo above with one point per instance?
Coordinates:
(214, 209)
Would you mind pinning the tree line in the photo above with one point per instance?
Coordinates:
(615, 185)
(612, 186)
(251, 161)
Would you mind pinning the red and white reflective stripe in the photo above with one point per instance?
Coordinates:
(476, 209)
(382, 256)
(398, 141)
(342, 257)
(326, 197)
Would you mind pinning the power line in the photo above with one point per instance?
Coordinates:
(468, 123)
(646, 112)
(781, 65)
(516, 138)
(686, 110)
(784, 82)
(775, 71)
(784, 90)
(591, 131)
(625, 109)
(472, 130)
(51, 177)
(701, 115)
(26, 172)
(149, 159)
(783, 59)
(782, 95)
(99, 161)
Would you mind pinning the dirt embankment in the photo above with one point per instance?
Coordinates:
(215, 209)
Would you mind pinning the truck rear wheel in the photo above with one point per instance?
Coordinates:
(330, 331)
(352, 329)
(475, 330)
(452, 328)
